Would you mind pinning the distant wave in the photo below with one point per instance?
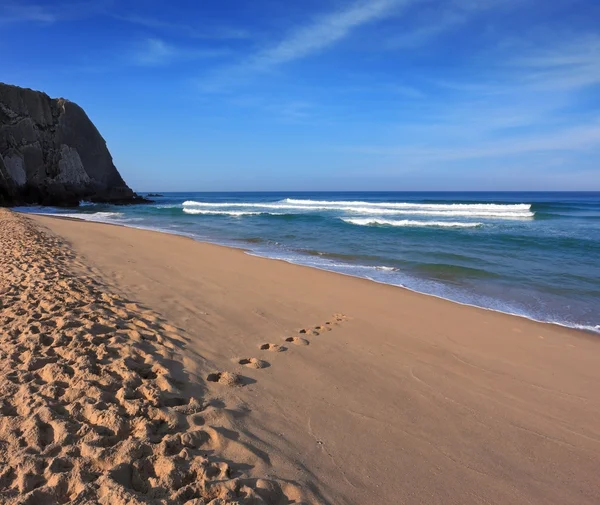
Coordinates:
(441, 213)
(400, 205)
(236, 213)
(192, 203)
(287, 202)
(368, 221)
(439, 210)
(263, 205)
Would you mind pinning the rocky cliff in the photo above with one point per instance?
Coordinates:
(52, 154)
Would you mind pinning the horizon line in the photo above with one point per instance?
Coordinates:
(389, 191)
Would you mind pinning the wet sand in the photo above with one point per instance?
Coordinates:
(315, 387)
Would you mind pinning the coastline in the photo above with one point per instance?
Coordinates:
(408, 399)
(230, 245)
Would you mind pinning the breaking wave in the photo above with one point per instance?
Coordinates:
(100, 217)
(408, 223)
(400, 205)
(491, 211)
(236, 213)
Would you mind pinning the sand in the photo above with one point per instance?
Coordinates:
(138, 366)
(95, 406)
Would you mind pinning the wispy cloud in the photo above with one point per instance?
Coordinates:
(565, 65)
(153, 52)
(531, 99)
(443, 22)
(444, 17)
(322, 33)
(561, 66)
(276, 109)
(21, 13)
(294, 111)
(183, 28)
(314, 37)
(568, 139)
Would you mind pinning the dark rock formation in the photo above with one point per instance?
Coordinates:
(52, 154)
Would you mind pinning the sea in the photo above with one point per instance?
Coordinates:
(532, 254)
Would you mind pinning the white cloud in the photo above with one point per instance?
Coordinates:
(446, 15)
(558, 67)
(156, 52)
(568, 64)
(322, 33)
(569, 139)
(183, 29)
(20, 13)
(419, 36)
(314, 37)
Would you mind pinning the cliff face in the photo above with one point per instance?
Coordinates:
(52, 154)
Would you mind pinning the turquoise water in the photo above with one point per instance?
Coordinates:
(531, 254)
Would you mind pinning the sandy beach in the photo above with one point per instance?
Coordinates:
(140, 367)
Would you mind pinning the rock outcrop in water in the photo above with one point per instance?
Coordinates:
(52, 154)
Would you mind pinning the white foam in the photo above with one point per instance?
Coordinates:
(371, 221)
(595, 329)
(191, 203)
(236, 213)
(492, 211)
(100, 217)
(414, 205)
(441, 213)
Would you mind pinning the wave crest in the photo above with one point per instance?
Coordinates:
(368, 221)
(235, 213)
(490, 211)
(401, 205)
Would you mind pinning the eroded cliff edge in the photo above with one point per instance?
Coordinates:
(52, 154)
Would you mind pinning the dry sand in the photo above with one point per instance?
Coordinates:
(141, 366)
(95, 404)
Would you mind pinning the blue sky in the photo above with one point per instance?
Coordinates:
(324, 95)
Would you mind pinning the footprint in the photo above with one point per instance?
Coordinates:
(297, 340)
(316, 330)
(272, 347)
(253, 363)
(308, 331)
(226, 378)
(336, 319)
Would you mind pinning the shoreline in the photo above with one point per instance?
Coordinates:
(590, 330)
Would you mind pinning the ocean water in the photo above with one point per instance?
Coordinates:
(532, 254)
